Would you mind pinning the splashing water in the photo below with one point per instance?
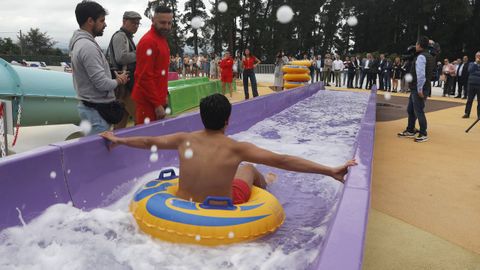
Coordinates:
(153, 149)
(284, 14)
(146, 121)
(197, 22)
(85, 126)
(408, 78)
(153, 157)
(352, 21)
(53, 174)
(188, 153)
(222, 7)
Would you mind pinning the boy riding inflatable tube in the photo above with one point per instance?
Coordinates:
(216, 221)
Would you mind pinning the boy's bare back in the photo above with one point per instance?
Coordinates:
(211, 168)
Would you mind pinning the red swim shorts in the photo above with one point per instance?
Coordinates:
(240, 191)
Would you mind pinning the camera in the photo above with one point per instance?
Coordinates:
(410, 54)
(433, 49)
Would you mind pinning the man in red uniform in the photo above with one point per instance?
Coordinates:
(226, 71)
(150, 91)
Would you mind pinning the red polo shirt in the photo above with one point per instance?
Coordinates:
(151, 74)
(248, 62)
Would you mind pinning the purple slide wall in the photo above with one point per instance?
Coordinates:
(90, 176)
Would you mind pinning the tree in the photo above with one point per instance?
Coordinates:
(36, 42)
(195, 8)
(8, 47)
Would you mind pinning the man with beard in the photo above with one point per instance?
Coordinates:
(150, 91)
(92, 79)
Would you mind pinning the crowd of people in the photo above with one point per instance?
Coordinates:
(131, 80)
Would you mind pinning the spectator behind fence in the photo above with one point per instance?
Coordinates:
(462, 78)
(249, 64)
(337, 70)
(473, 86)
(226, 71)
(449, 72)
(397, 73)
(280, 61)
(327, 65)
(121, 55)
(150, 92)
(92, 79)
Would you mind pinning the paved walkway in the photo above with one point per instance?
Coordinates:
(425, 197)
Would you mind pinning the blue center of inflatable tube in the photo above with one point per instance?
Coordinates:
(147, 192)
(157, 207)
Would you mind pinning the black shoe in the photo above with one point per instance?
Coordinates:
(420, 138)
(444, 95)
(466, 116)
(464, 97)
(406, 134)
(458, 96)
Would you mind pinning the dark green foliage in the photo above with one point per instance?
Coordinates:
(319, 26)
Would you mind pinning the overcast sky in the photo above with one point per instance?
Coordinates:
(57, 18)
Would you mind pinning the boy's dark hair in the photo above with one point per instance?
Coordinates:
(88, 9)
(215, 111)
(423, 41)
(163, 9)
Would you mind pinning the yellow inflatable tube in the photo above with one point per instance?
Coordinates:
(161, 214)
(297, 77)
(306, 63)
(291, 85)
(292, 69)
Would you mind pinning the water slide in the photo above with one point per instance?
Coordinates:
(326, 221)
(48, 97)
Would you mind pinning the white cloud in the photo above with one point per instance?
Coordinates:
(57, 18)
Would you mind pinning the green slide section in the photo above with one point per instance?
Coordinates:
(48, 97)
(187, 94)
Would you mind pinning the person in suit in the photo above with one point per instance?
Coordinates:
(381, 71)
(462, 78)
(357, 63)
(387, 75)
(367, 64)
(372, 72)
(473, 86)
(351, 66)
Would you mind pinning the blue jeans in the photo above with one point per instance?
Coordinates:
(415, 108)
(249, 73)
(91, 115)
(387, 81)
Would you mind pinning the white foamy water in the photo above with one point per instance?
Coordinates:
(321, 128)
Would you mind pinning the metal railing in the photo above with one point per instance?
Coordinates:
(265, 69)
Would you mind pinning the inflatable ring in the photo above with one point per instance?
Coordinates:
(292, 69)
(297, 77)
(305, 63)
(161, 214)
(290, 85)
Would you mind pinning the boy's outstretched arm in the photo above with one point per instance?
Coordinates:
(254, 154)
(171, 141)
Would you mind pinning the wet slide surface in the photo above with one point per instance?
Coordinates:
(322, 128)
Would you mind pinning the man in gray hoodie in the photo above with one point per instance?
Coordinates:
(92, 79)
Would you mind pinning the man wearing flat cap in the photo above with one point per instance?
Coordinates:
(121, 55)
